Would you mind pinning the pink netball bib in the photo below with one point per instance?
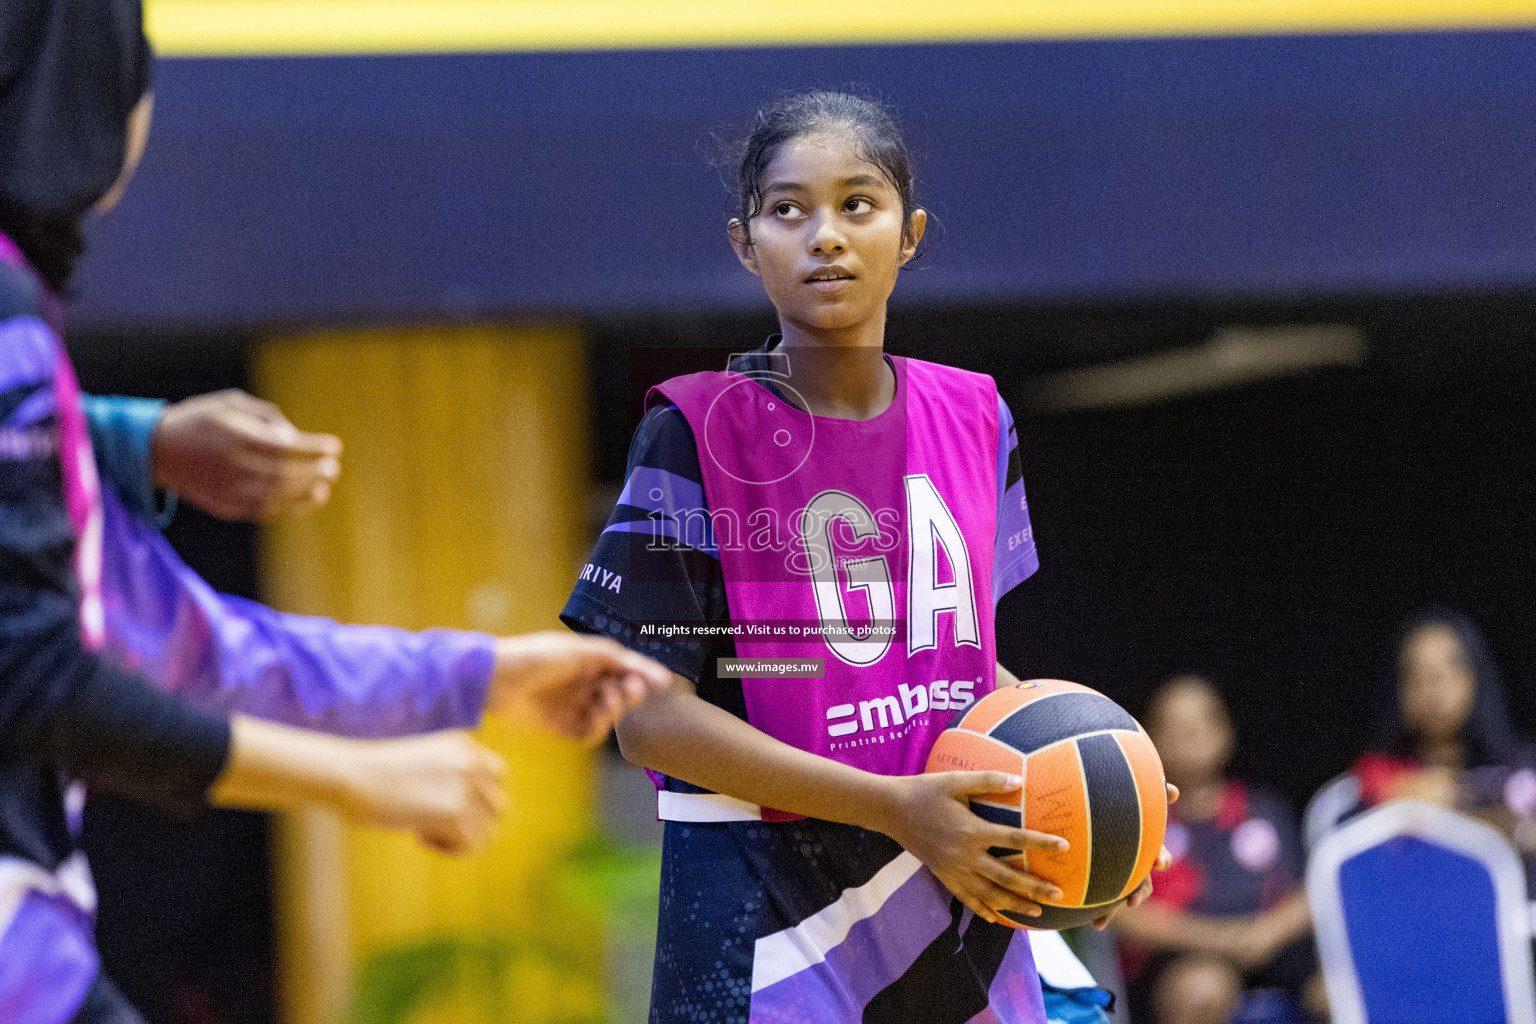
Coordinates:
(867, 544)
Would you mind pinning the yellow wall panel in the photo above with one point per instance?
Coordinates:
(257, 27)
(461, 504)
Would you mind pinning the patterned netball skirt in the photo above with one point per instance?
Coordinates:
(809, 921)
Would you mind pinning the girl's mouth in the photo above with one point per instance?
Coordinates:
(829, 279)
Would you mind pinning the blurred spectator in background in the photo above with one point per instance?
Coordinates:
(1226, 934)
(1443, 736)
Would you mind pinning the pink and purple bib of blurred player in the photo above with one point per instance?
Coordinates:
(82, 487)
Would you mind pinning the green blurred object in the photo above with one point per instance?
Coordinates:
(596, 883)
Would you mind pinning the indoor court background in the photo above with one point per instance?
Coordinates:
(1256, 279)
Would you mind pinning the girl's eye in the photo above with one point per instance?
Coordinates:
(858, 204)
(785, 210)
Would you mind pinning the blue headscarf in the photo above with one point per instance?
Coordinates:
(71, 71)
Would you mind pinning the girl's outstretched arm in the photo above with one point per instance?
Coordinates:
(236, 456)
(226, 654)
(444, 787)
(681, 735)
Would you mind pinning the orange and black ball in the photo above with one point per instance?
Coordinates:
(1091, 776)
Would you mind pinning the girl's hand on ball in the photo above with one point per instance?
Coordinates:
(930, 816)
(1143, 891)
(1164, 857)
(1135, 899)
(577, 687)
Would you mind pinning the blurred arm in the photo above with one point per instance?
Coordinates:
(229, 453)
(237, 457)
(226, 654)
(446, 788)
(122, 431)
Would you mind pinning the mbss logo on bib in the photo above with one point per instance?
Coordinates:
(902, 707)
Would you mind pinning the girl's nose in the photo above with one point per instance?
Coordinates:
(827, 240)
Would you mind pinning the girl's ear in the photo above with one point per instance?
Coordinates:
(741, 242)
(915, 228)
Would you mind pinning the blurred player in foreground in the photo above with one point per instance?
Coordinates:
(99, 619)
(1230, 915)
(816, 487)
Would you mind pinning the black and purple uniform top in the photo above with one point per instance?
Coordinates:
(766, 920)
(624, 584)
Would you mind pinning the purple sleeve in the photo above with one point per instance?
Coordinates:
(1015, 559)
(226, 654)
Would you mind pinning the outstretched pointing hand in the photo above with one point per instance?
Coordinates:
(575, 686)
(444, 787)
(237, 457)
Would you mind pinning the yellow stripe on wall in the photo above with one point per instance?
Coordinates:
(185, 28)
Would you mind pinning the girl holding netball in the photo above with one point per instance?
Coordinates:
(826, 501)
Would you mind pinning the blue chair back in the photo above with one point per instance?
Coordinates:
(1422, 918)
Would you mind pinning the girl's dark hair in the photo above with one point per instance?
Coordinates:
(1487, 736)
(70, 76)
(51, 242)
(875, 135)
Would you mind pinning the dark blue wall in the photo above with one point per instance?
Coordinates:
(329, 189)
